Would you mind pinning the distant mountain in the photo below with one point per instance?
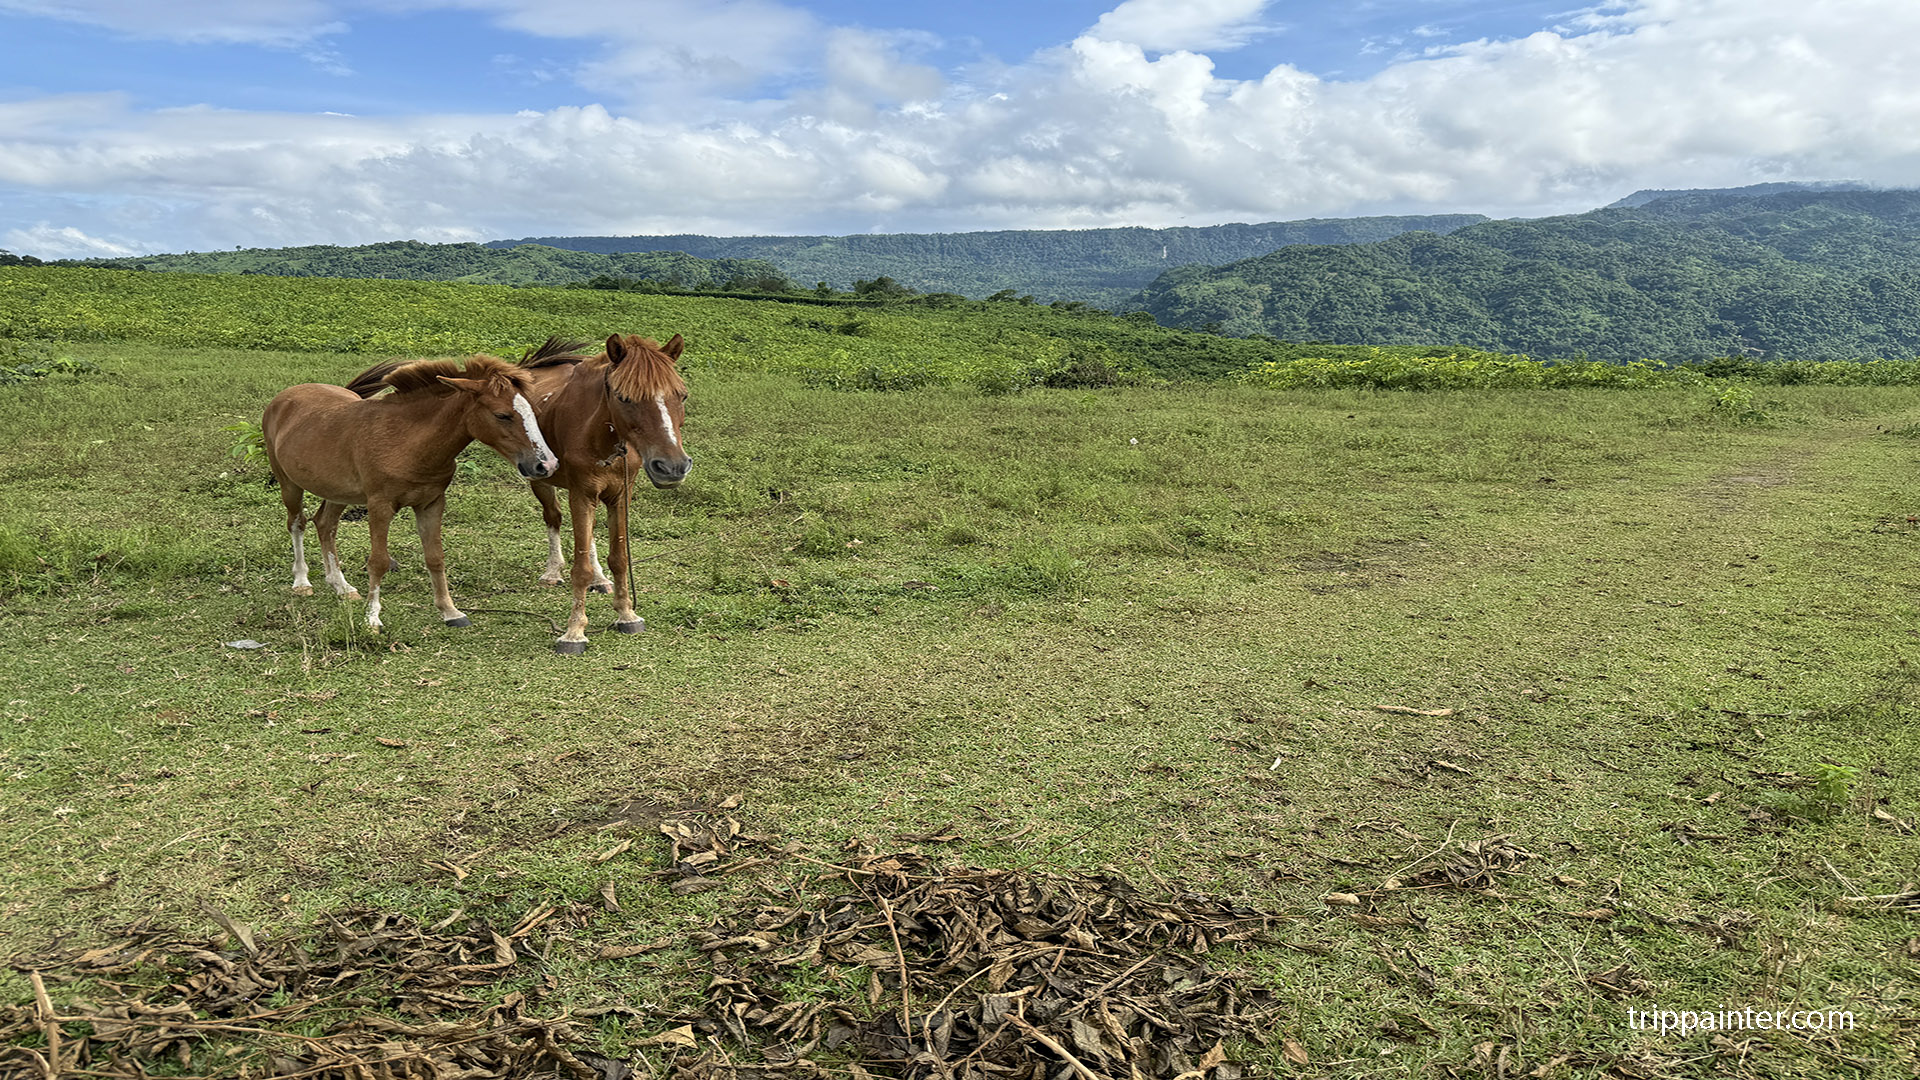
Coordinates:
(1102, 267)
(415, 261)
(1751, 191)
(1814, 274)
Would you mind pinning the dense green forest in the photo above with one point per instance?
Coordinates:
(410, 260)
(1751, 191)
(1101, 267)
(1809, 274)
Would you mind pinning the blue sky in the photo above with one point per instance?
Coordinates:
(128, 126)
(395, 62)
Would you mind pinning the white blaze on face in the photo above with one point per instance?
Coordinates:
(525, 410)
(666, 421)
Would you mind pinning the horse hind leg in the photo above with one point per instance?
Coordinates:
(602, 583)
(295, 500)
(574, 641)
(327, 525)
(556, 568)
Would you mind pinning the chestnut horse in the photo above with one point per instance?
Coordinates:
(354, 449)
(612, 417)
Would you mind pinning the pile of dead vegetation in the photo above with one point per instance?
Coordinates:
(884, 965)
(972, 972)
(366, 995)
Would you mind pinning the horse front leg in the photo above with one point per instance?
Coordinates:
(550, 513)
(379, 518)
(580, 506)
(427, 520)
(326, 522)
(295, 500)
(619, 556)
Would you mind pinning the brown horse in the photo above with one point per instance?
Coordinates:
(612, 417)
(354, 449)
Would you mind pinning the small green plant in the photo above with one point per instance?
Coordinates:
(249, 442)
(1830, 793)
(1737, 405)
(1833, 785)
(24, 360)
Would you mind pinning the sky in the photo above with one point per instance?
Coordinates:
(132, 127)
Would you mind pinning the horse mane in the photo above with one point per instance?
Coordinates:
(423, 376)
(555, 352)
(647, 371)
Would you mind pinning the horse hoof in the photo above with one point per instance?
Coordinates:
(459, 622)
(350, 594)
(633, 627)
(569, 648)
(303, 590)
(549, 581)
(603, 588)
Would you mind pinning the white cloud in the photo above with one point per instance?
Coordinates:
(1105, 130)
(256, 22)
(63, 242)
(1171, 25)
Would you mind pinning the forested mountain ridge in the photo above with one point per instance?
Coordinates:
(414, 261)
(1807, 274)
(1751, 191)
(1102, 267)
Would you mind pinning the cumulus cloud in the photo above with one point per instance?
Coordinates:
(1172, 25)
(1112, 128)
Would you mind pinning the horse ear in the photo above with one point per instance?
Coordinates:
(471, 386)
(675, 347)
(616, 350)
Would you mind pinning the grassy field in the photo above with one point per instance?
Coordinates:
(1665, 650)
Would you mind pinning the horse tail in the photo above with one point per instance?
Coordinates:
(374, 379)
(554, 352)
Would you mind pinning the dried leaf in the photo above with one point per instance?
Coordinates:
(613, 851)
(681, 1036)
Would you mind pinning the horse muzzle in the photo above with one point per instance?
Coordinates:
(665, 474)
(537, 466)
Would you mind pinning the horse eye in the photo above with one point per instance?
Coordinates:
(503, 417)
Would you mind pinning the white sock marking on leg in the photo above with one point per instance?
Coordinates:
(300, 559)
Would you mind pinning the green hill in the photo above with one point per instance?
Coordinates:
(855, 345)
(1809, 274)
(1102, 267)
(411, 260)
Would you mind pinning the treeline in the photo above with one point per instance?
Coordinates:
(1800, 275)
(1099, 267)
(410, 260)
(1424, 368)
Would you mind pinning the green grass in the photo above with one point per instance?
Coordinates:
(1144, 628)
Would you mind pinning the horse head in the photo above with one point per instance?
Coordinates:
(649, 404)
(499, 415)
